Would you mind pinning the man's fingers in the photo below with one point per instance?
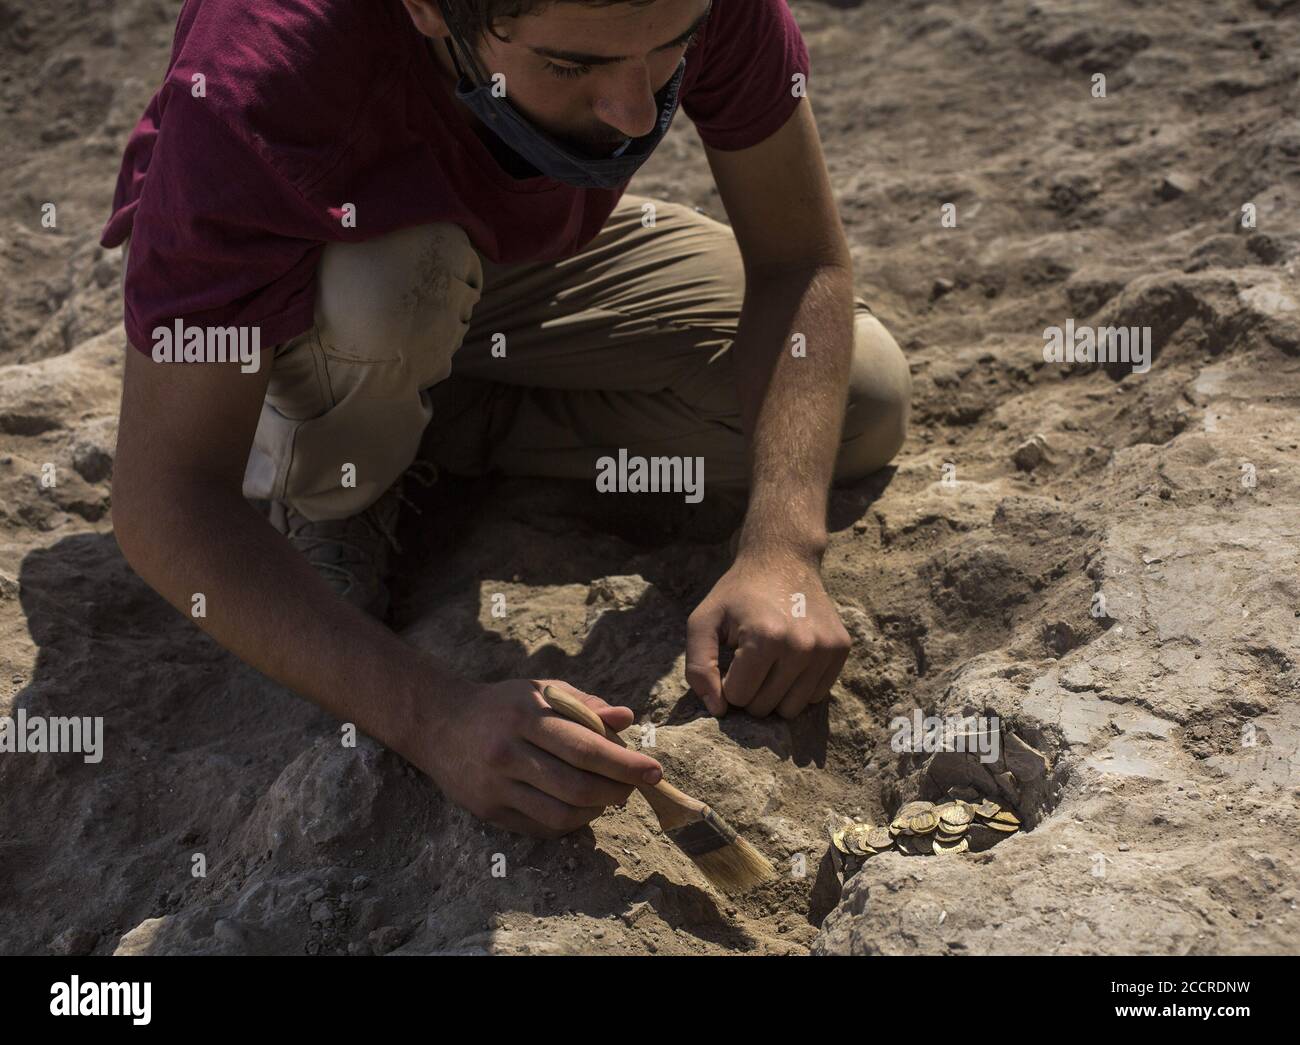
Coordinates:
(746, 675)
(550, 814)
(561, 780)
(702, 673)
(582, 748)
(828, 678)
(789, 677)
(800, 695)
(615, 717)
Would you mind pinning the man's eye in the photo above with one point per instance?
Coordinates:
(567, 72)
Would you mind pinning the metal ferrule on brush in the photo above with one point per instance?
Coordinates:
(703, 836)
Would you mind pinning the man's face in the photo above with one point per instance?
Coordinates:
(588, 75)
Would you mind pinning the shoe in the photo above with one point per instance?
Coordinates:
(354, 555)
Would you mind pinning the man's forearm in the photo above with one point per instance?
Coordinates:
(793, 402)
(265, 604)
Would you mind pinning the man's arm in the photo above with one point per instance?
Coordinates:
(182, 523)
(184, 526)
(799, 281)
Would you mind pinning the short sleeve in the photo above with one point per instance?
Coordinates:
(749, 56)
(219, 238)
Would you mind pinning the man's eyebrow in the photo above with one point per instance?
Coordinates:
(578, 58)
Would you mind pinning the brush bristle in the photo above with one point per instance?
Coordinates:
(736, 867)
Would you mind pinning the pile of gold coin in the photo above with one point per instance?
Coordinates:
(924, 828)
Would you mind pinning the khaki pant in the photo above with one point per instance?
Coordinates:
(626, 345)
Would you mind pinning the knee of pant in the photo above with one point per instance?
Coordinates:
(398, 295)
(879, 401)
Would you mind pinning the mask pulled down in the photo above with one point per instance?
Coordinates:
(547, 154)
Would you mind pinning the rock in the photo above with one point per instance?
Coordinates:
(140, 940)
(1031, 453)
(1060, 637)
(1009, 786)
(1025, 762)
(1176, 184)
(636, 912)
(92, 463)
(948, 769)
(327, 796)
(74, 943)
(385, 939)
(367, 914)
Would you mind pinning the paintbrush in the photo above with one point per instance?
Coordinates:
(726, 859)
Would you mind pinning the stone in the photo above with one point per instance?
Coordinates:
(1176, 184)
(74, 943)
(1025, 762)
(1032, 453)
(384, 939)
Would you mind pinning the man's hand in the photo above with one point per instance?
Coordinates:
(783, 662)
(500, 752)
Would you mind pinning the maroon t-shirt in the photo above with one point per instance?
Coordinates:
(309, 105)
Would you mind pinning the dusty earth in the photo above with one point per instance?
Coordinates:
(1164, 818)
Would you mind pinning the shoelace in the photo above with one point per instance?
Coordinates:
(422, 471)
(425, 473)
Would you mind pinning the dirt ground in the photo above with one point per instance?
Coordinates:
(967, 574)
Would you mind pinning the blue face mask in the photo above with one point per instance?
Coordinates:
(548, 155)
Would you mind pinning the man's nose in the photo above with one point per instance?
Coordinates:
(627, 102)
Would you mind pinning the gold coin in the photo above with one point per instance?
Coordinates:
(1006, 816)
(880, 838)
(922, 844)
(837, 840)
(923, 823)
(856, 839)
(998, 825)
(895, 829)
(912, 809)
(957, 816)
(987, 809)
(951, 834)
(960, 846)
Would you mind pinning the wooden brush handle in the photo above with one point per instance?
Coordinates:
(672, 807)
(576, 711)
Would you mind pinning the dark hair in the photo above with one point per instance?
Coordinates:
(473, 19)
